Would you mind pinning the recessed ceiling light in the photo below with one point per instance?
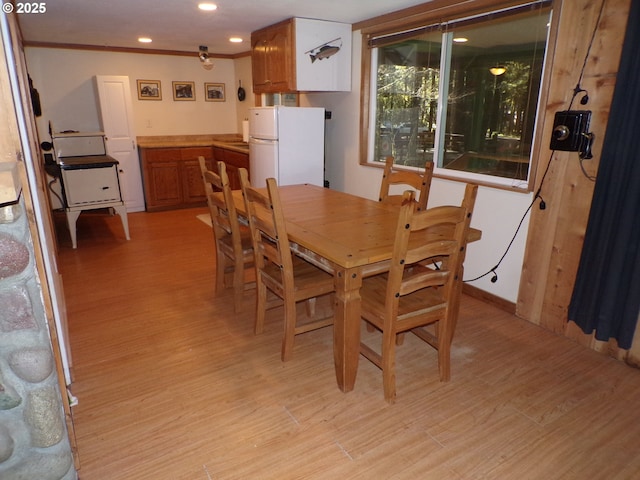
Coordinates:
(207, 7)
(144, 40)
(461, 40)
(235, 40)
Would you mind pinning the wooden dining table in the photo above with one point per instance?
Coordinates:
(349, 236)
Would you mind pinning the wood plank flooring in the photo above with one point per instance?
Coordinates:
(173, 385)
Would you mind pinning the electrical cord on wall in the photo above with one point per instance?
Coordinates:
(583, 101)
(542, 206)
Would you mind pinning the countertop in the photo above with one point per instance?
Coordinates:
(230, 141)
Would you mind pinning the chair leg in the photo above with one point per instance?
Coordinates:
(238, 285)
(261, 306)
(444, 352)
(389, 365)
(220, 268)
(289, 329)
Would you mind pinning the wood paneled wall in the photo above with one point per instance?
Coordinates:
(556, 234)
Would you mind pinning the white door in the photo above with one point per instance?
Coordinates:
(114, 93)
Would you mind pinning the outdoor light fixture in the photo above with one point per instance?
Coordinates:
(497, 70)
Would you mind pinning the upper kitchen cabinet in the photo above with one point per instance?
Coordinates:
(302, 55)
(272, 60)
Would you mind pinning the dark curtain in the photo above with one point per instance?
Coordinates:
(606, 296)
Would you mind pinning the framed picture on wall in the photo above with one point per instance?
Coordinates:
(149, 90)
(184, 91)
(214, 92)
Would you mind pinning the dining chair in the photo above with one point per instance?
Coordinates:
(420, 182)
(234, 247)
(289, 278)
(414, 295)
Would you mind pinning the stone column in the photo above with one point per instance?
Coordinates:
(33, 438)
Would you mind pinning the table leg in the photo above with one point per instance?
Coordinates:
(346, 327)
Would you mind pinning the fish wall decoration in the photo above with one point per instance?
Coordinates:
(325, 50)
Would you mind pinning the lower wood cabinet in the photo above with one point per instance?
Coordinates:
(172, 176)
(234, 161)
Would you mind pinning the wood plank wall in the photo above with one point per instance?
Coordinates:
(556, 234)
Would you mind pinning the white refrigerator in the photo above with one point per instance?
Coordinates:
(286, 143)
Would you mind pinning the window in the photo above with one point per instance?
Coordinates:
(489, 68)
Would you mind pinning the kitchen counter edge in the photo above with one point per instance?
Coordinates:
(228, 141)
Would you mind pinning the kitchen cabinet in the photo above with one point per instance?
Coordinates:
(301, 54)
(233, 160)
(272, 58)
(172, 177)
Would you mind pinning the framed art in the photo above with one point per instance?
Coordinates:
(214, 92)
(184, 91)
(149, 90)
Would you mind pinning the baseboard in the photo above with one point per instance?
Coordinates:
(489, 298)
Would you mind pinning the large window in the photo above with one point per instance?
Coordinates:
(489, 70)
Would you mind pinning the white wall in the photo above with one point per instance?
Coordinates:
(64, 80)
(497, 212)
(243, 74)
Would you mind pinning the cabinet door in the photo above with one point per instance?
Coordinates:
(259, 63)
(280, 59)
(235, 161)
(162, 178)
(272, 59)
(192, 183)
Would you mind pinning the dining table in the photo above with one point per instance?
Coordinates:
(349, 236)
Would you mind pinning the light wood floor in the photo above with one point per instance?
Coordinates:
(173, 385)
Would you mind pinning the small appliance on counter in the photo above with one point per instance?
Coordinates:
(89, 177)
(286, 143)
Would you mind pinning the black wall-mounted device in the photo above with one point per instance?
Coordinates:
(571, 132)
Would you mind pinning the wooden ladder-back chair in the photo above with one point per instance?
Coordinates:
(289, 277)
(419, 182)
(414, 296)
(234, 248)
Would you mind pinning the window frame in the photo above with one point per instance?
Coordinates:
(439, 12)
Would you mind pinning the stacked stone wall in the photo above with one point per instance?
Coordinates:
(33, 438)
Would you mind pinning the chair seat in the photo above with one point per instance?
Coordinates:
(226, 243)
(309, 280)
